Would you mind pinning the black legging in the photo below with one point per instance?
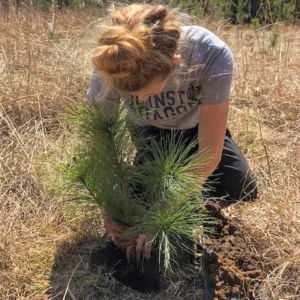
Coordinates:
(231, 181)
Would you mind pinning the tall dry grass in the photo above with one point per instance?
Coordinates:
(42, 74)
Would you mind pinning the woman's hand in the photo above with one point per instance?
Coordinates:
(115, 230)
(142, 246)
(135, 248)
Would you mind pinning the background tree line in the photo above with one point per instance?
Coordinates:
(236, 11)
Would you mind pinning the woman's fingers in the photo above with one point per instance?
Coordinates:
(115, 229)
(129, 253)
(143, 245)
(140, 241)
(147, 250)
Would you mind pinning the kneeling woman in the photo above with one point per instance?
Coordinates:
(174, 78)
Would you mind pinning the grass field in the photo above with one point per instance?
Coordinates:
(43, 72)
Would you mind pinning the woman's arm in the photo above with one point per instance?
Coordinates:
(98, 93)
(214, 110)
(211, 134)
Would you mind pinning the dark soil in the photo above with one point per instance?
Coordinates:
(144, 279)
(232, 269)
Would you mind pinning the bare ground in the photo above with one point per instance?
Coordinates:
(42, 74)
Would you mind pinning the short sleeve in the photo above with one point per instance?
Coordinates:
(95, 87)
(216, 84)
(97, 93)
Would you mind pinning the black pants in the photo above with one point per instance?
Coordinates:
(231, 181)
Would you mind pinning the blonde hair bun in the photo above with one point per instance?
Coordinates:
(138, 44)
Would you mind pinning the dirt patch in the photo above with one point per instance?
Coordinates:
(232, 269)
(145, 279)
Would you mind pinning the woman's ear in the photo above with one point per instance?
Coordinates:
(176, 58)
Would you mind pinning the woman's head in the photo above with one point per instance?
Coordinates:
(138, 47)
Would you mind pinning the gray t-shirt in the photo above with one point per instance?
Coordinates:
(204, 76)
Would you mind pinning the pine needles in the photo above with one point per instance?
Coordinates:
(157, 196)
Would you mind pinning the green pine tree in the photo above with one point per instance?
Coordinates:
(169, 205)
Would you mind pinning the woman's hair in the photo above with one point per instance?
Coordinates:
(137, 44)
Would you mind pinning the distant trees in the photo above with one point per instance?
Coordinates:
(237, 11)
(264, 10)
(244, 11)
(61, 3)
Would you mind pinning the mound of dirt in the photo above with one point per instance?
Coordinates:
(232, 269)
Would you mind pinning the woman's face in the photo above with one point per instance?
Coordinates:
(155, 86)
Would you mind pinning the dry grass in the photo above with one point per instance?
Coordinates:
(40, 76)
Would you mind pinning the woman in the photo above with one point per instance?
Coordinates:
(174, 78)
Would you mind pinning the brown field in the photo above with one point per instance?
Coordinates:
(41, 74)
